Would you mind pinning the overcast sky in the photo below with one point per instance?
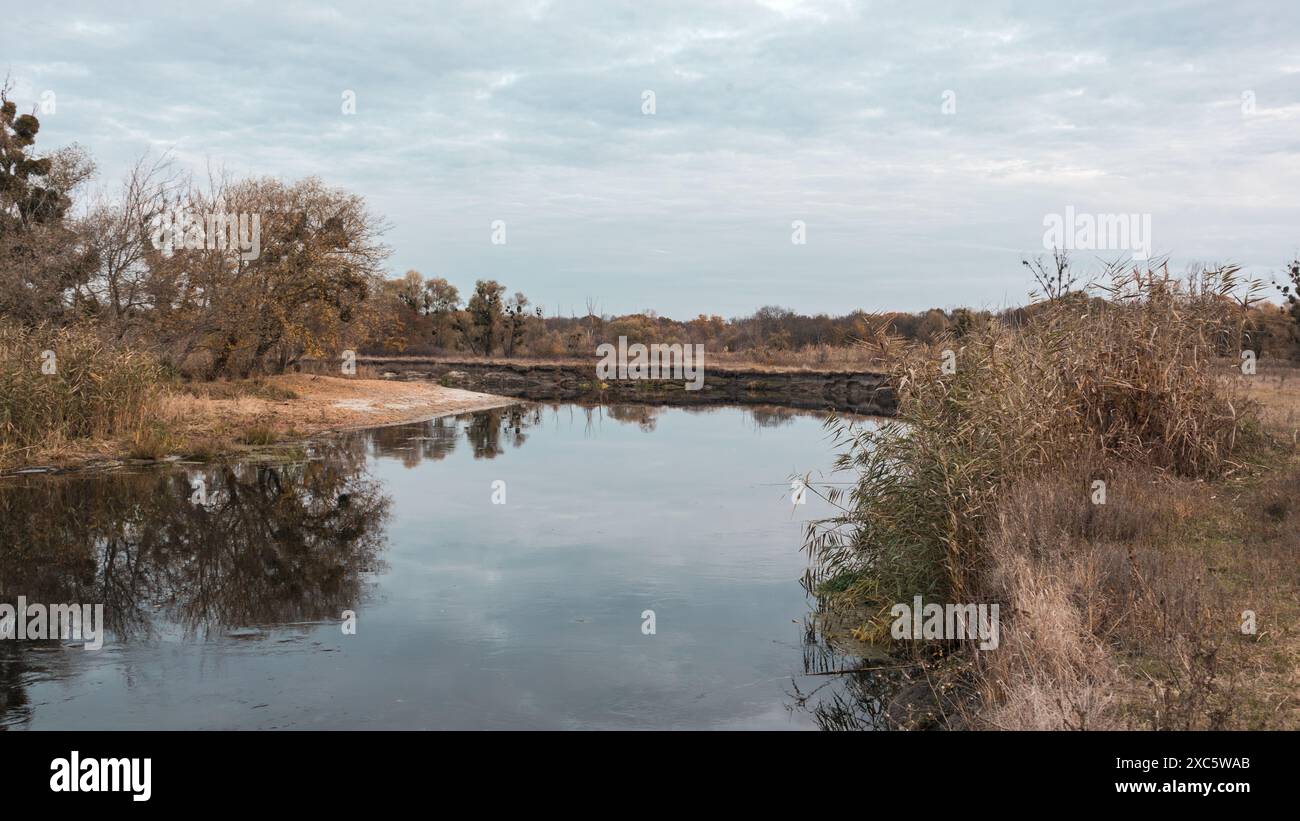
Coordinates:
(765, 113)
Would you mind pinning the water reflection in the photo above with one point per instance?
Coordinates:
(489, 432)
(841, 689)
(203, 556)
(194, 551)
(436, 441)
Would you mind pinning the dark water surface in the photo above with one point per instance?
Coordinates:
(226, 612)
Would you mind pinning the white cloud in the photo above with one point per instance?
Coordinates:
(827, 112)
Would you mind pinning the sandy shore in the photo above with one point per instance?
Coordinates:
(322, 403)
(212, 420)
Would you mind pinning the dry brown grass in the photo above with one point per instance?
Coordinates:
(1077, 581)
(290, 406)
(210, 419)
(1113, 614)
(1129, 614)
(811, 357)
(94, 391)
(258, 388)
(1276, 387)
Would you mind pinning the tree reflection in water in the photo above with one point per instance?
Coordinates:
(436, 440)
(489, 432)
(274, 545)
(261, 544)
(645, 417)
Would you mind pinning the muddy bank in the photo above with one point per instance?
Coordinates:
(843, 391)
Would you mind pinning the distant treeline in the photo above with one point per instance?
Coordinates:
(426, 316)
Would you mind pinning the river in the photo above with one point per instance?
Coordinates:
(531, 567)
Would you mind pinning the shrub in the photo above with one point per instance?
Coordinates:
(259, 433)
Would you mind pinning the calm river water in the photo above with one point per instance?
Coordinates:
(499, 566)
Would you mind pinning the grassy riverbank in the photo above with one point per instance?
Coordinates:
(1117, 487)
(102, 404)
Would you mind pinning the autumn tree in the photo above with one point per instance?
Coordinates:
(307, 288)
(420, 312)
(484, 311)
(43, 254)
(126, 290)
(441, 301)
(410, 290)
(516, 317)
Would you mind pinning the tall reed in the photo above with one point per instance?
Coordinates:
(1085, 382)
(59, 385)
